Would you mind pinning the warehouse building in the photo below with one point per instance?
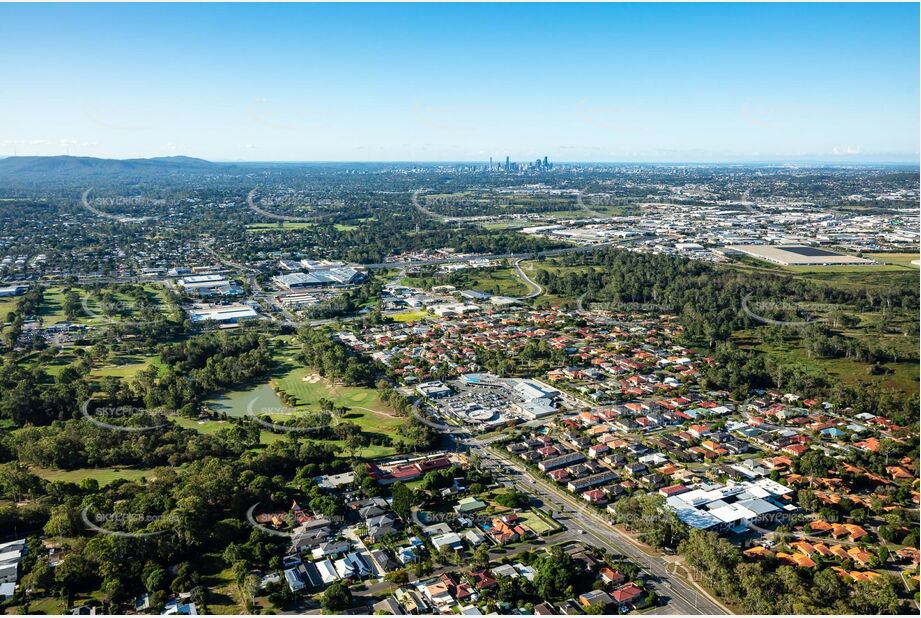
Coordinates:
(223, 314)
(797, 255)
(319, 278)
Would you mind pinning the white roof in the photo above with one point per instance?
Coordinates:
(732, 513)
(530, 389)
(200, 279)
(773, 487)
(441, 540)
(231, 312)
(327, 571)
(759, 506)
(757, 491)
(505, 570)
(4, 547)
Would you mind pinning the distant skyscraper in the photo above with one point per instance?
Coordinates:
(506, 163)
(545, 161)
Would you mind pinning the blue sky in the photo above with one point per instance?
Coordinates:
(622, 82)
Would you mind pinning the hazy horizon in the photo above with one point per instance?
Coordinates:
(727, 162)
(591, 83)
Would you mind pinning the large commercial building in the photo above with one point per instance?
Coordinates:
(210, 285)
(797, 255)
(196, 282)
(224, 314)
(319, 278)
(733, 506)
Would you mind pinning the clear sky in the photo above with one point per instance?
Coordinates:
(623, 82)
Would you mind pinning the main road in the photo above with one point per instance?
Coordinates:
(534, 290)
(499, 256)
(683, 596)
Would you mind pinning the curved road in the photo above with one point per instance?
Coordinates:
(434, 215)
(272, 215)
(105, 215)
(584, 207)
(534, 290)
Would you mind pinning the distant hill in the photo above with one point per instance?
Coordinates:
(65, 168)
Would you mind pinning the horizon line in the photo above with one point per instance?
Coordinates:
(741, 161)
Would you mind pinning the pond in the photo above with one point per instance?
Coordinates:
(237, 403)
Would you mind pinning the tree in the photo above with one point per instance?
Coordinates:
(875, 596)
(402, 500)
(514, 499)
(337, 597)
(370, 487)
(71, 305)
(556, 573)
(357, 442)
(480, 557)
(17, 482)
(62, 522)
(40, 577)
(827, 587)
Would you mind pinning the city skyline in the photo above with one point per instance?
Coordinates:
(609, 83)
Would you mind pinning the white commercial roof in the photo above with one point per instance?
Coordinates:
(759, 506)
(222, 313)
(773, 487)
(732, 513)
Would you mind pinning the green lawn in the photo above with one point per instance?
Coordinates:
(539, 524)
(508, 225)
(409, 316)
(888, 276)
(217, 575)
(126, 367)
(500, 282)
(902, 259)
(50, 606)
(58, 363)
(365, 407)
(103, 475)
(52, 307)
(6, 305)
(212, 427)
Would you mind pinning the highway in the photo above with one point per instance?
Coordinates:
(434, 215)
(271, 215)
(500, 256)
(679, 594)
